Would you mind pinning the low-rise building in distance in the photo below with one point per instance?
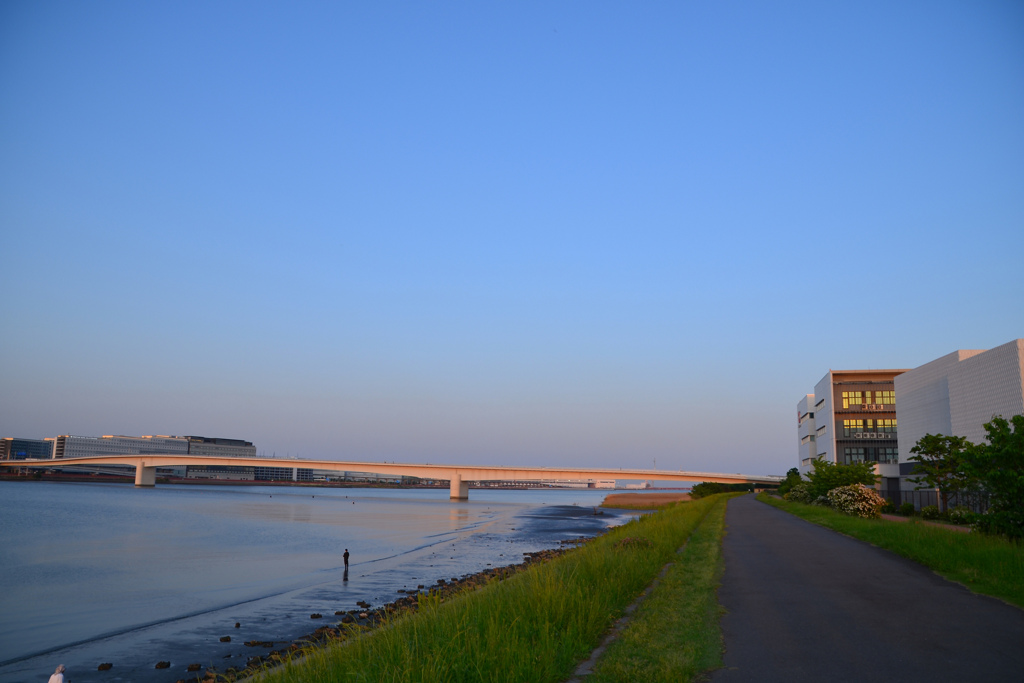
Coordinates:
(25, 449)
(226, 448)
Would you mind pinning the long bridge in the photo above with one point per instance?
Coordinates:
(459, 475)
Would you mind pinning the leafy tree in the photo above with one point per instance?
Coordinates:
(791, 480)
(829, 475)
(708, 488)
(999, 466)
(940, 466)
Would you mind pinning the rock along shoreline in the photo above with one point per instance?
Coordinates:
(349, 624)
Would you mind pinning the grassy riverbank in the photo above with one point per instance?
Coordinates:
(675, 634)
(535, 626)
(644, 501)
(985, 564)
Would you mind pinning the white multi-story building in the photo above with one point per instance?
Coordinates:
(850, 417)
(228, 448)
(958, 393)
(68, 446)
(807, 448)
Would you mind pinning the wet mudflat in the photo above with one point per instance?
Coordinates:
(110, 573)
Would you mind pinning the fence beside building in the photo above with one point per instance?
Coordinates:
(976, 501)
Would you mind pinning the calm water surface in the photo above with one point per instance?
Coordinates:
(110, 573)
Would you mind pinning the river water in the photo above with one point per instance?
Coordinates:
(111, 573)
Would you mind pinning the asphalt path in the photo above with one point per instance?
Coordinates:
(808, 604)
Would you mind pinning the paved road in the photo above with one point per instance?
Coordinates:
(808, 604)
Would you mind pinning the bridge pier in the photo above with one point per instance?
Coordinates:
(145, 476)
(459, 488)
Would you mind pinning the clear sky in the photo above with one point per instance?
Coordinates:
(551, 233)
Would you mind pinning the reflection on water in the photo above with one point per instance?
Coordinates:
(84, 560)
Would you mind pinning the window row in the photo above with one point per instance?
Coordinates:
(881, 455)
(859, 398)
(851, 427)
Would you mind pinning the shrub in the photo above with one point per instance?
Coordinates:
(930, 512)
(799, 493)
(999, 466)
(709, 488)
(856, 500)
(906, 509)
(829, 475)
(961, 515)
(889, 507)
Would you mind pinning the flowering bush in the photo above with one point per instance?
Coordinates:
(961, 515)
(856, 500)
(799, 493)
(930, 512)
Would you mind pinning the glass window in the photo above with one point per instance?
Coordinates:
(852, 398)
(885, 397)
(850, 427)
(887, 426)
(887, 455)
(854, 455)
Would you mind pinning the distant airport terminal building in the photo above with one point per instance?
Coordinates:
(25, 449)
(879, 415)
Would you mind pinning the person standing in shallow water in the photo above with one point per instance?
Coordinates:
(346, 558)
(58, 675)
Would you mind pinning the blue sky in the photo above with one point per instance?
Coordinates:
(515, 233)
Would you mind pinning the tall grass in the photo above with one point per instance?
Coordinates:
(534, 626)
(986, 564)
(675, 634)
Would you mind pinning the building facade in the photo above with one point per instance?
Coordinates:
(853, 417)
(806, 434)
(69, 446)
(225, 448)
(25, 449)
(958, 393)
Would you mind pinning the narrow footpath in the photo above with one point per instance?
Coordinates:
(808, 604)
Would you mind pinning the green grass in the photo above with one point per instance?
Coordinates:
(985, 564)
(638, 506)
(534, 626)
(675, 634)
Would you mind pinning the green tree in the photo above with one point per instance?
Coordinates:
(999, 467)
(792, 479)
(941, 465)
(708, 488)
(829, 475)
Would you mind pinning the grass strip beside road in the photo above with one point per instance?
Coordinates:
(644, 501)
(990, 565)
(534, 626)
(675, 634)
